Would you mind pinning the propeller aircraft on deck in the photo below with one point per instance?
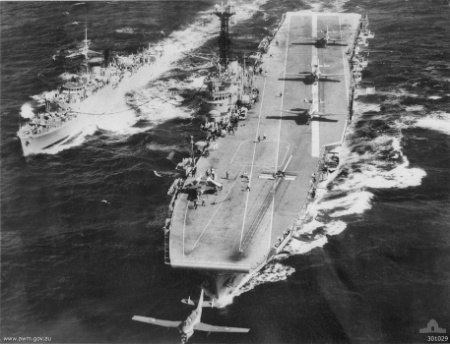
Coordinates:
(313, 113)
(314, 76)
(323, 41)
(192, 322)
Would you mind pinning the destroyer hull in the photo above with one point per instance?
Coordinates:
(107, 100)
(40, 143)
(246, 223)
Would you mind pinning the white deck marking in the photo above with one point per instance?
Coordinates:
(237, 150)
(287, 163)
(184, 223)
(253, 164)
(279, 132)
(315, 144)
(288, 148)
(344, 64)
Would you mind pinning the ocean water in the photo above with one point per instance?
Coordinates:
(76, 268)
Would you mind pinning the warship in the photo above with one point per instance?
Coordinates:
(60, 118)
(247, 191)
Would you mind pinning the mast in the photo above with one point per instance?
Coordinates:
(224, 13)
(86, 48)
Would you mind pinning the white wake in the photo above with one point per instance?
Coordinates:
(109, 110)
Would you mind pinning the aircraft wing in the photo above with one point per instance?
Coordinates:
(329, 114)
(73, 55)
(330, 77)
(158, 322)
(319, 114)
(296, 77)
(296, 112)
(94, 52)
(212, 328)
(338, 43)
(305, 41)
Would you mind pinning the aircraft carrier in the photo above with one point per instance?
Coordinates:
(267, 169)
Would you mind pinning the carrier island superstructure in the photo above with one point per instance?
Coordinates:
(265, 173)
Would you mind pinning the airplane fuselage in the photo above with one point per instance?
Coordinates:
(316, 74)
(321, 42)
(187, 327)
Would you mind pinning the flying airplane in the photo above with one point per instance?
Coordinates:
(192, 322)
(314, 76)
(323, 41)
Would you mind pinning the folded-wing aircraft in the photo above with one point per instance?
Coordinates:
(321, 42)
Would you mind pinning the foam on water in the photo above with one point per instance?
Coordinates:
(350, 204)
(26, 111)
(386, 167)
(328, 5)
(162, 148)
(155, 106)
(414, 108)
(198, 82)
(335, 227)
(347, 196)
(367, 163)
(125, 30)
(382, 165)
(272, 272)
(302, 247)
(439, 121)
(360, 107)
(109, 109)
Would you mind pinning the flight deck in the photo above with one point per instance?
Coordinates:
(266, 167)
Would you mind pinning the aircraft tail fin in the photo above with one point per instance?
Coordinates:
(188, 301)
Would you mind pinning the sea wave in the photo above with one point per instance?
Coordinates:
(272, 272)
(27, 111)
(439, 121)
(328, 5)
(372, 158)
(110, 110)
(366, 165)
